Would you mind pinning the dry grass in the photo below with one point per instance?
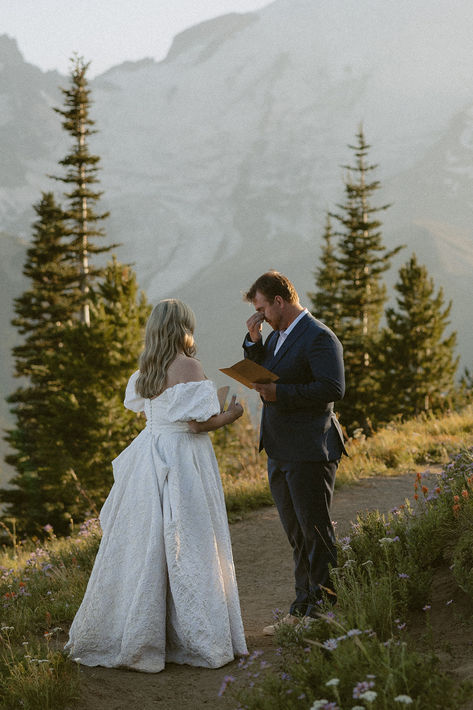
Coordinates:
(408, 446)
(397, 448)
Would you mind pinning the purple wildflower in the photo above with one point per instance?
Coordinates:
(330, 644)
(362, 687)
(228, 679)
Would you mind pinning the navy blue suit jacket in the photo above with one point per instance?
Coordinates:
(301, 424)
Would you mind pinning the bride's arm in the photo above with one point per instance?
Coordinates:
(234, 411)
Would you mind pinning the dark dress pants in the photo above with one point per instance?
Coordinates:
(303, 492)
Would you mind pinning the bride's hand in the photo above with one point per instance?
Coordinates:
(234, 409)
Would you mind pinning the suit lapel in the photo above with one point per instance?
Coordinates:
(290, 340)
(271, 343)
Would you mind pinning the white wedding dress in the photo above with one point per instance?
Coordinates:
(163, 586)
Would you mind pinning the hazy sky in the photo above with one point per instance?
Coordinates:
(105, 32)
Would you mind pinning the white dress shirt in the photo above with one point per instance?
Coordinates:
(284, 333)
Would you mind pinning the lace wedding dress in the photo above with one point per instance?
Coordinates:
(163, 585)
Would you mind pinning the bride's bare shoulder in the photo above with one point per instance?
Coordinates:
(184, 369)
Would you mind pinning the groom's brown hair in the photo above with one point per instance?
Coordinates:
(272, 284)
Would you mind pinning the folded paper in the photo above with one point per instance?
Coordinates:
(246, 372)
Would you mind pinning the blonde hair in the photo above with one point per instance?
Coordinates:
(169, 331)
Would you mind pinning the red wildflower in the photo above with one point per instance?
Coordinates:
(416, 497)
(456, 508)
(425, 490)
(456, 498)
(465, 493)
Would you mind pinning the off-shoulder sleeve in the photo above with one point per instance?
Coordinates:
(133, 400)
(193, 400)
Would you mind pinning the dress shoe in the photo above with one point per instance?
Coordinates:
(288, 620)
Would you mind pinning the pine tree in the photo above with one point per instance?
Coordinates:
(41, 313)
(83, 328)
(79, 422)
(326, 301)
(361, 259)
(417, 359)
(81, 174)
(87, 423)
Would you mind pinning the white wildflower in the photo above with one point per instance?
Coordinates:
(333, 681)
(369, 695)
(405, 699)
(319, 704)
(386, 540)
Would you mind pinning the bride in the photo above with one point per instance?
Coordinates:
(163, 585)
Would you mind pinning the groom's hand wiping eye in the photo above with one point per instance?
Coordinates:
(255, 326)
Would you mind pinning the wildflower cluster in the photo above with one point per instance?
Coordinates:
(41, 586)
(357, 655)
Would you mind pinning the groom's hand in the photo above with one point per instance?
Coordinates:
(255, 326)
(267, 391)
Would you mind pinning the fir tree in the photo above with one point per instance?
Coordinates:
(416, 357)
(80, 423)
(361, 259)
(326, 301)
(81, 175)
(82, 328)
(87, 423)
(40, 314)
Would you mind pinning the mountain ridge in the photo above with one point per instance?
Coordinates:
(221, 160)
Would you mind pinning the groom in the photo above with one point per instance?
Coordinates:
(299, 430)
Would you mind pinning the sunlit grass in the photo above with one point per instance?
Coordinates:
(397, 448)
(408, 446)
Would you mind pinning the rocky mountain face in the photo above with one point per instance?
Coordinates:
(221, 161)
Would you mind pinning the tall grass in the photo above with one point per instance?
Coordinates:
(41, 587)
(397, 448)
(360, 653)
(405, 446)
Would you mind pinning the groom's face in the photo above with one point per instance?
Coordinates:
(271, 312)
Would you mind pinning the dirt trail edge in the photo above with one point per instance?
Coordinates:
(263, 561)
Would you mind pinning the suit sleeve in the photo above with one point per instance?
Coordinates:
(253, 352)
(325, 357)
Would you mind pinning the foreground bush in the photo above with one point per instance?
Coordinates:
(41, 588)
(359, 654)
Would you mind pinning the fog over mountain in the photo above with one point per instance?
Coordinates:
(221, 161)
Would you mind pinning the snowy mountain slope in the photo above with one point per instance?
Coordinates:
(221, 160)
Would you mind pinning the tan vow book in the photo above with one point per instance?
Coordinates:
(247, 371)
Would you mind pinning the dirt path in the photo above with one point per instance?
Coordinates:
(263, 562)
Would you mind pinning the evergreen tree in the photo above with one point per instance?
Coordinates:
(416, 358)
(83, 328)
(81, 175)
(326, 301)
(361, 259)
(41, 312)
(80, 422)
(87, 423)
